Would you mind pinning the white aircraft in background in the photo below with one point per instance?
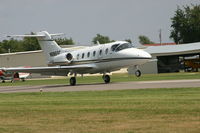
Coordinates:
(103, 58)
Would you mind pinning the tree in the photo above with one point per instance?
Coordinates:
(186, 24)
(10, 46)
(144, 40)
(1, 50)
(64, 41)
(101, 39)
(30, 44)
(5, 46)
(128, 40)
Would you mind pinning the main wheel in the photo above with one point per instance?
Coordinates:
(23, 79)
(138, 73)
(106, 79)
(72, 81)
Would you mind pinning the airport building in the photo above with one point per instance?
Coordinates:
(172, 58)
(166, 58)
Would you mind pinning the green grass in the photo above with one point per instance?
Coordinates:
(125, 111)
(114, 78)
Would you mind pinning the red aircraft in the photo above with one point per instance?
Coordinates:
(12, 76)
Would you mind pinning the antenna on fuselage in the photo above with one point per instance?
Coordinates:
(98, 43)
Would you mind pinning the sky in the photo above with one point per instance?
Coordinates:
(83, 19)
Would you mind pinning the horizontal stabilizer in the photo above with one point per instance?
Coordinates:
(39, 34)
(26, 36)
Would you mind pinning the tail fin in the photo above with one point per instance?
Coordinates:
(48, 45)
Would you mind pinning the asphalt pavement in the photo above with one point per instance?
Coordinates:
(102, 86)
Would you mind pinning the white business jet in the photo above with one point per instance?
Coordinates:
(102, 59)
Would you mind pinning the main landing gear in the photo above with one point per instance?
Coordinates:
(106, 78)
(72, 81)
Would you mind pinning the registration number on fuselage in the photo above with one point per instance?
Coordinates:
(54, 53)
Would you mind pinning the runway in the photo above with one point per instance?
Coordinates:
(102, 86)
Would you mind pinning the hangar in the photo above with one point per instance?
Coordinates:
(166, 58)
(172, 58)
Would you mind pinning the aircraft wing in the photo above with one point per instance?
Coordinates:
(54, 70)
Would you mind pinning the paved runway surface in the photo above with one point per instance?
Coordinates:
(99, 87)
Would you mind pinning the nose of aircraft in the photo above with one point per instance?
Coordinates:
(135, 53)
(144, 54)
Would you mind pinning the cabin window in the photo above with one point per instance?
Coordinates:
(100, 52)
(106, 52)
(77, 56)
(94, 53)
(88, 54)
(83, 55)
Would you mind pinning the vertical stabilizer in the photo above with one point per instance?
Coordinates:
(48, 45)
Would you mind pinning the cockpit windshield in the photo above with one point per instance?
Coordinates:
(114, 47)
(123, 46)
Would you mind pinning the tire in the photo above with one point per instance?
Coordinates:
(72, 81)
(106, 79)
(138, 73)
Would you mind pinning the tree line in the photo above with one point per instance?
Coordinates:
(27, 44)
(31, 44)
(185, 29)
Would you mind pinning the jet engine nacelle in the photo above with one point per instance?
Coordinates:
(66, 58)
(69, 57)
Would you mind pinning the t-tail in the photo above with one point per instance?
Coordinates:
(49, 46)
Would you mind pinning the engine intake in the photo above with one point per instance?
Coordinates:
(69, 57)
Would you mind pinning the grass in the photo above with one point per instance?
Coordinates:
(114, 78)
(126, 111)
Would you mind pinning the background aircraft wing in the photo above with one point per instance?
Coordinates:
(54, 70)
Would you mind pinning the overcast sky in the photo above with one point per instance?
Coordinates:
(83, 19)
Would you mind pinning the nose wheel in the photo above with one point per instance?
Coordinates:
(106, 78)
(72, 81)
(138, 73)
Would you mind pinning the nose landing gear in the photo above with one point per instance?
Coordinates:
(138, 73)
